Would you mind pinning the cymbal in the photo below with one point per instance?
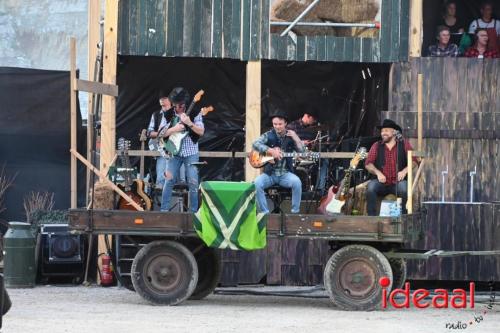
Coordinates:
(316, 128)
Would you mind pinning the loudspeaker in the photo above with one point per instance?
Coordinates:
(62, 254)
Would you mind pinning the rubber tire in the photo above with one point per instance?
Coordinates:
(367, 254)
(175, 252)
(209, 272)
(399, 271)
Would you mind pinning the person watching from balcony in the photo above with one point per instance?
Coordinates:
(443, 47)
(480, 47)
(486, 21)
(450, 20)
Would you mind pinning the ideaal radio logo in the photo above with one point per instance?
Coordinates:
(441, 299)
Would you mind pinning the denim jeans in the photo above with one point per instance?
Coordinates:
(174, 166)
(161, 167)
(376, 188)
(288, 180)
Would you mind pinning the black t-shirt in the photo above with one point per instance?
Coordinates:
(301, 131)
(454, 29)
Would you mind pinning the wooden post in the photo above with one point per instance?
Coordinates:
(94, 14)
(72, 76)
(419, 114)
(253, 113)
(409, 202)
(416, 28)
(108, 121)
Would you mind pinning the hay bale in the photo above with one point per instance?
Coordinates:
(347, 11)
(342, 11)
(288, 10)
(104, 197)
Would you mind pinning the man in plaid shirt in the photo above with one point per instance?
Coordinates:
(443, 48)
(387, 160)
(188, 153)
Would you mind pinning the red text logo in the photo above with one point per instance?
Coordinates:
(441, 299)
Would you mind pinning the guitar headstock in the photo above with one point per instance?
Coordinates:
(360, 155)
(198, 95)
(207, 109)
(123, 145)
(143, 137)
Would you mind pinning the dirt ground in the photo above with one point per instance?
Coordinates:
(96, 309)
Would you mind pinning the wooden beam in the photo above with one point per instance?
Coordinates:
(240, 154)
(108, 121)
(416, 8)
(419, 113)
(93, 19)
(73, 108)
(409, 187)
(97, 87)
(252, 112)
(417, 175)
(104, 178)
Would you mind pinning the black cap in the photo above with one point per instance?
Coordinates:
(162, 94)
(179, 95)
(279, 114)
(387, 123)
(312, 111)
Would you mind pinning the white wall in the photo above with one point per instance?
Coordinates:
(35, 34)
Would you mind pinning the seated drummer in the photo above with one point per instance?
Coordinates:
(381, 162)
(307, 130)
(273, 142)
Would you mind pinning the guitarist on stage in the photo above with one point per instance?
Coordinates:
(156, 124)
(387, 161)
(189, 151)
(280, 172)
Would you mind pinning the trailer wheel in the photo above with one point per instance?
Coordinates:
(209, 272)
(352, 276)
(164, 272)
(398, 266)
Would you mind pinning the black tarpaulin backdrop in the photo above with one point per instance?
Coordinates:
(335, 88)
(35, 136)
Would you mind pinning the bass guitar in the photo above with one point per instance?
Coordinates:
(134, 188)
(258, 160)
(338, 195)
(173, 144)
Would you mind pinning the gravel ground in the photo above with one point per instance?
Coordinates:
(96, 309)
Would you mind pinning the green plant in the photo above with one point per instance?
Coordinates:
(37, 202)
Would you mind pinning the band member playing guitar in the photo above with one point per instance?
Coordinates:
(275, 142)
(156, 124)
(187, 153)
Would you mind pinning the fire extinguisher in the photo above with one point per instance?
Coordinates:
(106, 272)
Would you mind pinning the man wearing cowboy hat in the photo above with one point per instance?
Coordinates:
(388, 163)
(274, 142)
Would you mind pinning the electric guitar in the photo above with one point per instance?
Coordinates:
(134, 188)
(258, 160)
(338, 195)
(173, 145)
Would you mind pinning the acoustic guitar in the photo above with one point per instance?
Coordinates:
(258, 160)
(134, 188)
(338, 195)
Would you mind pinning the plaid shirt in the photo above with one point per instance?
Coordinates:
(163, 122)
(389, 169)
(472, 52)
(451, 50)
(188, 147)
(279, 168)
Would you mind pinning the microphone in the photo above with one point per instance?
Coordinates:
(398, 135)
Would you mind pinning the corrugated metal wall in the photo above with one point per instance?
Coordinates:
(239, 29)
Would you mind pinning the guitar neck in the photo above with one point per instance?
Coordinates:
(294, 154)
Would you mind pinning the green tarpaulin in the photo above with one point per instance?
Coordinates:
(228, 218)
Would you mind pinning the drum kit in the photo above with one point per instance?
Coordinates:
(308, 170)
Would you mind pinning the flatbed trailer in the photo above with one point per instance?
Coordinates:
(175, 264)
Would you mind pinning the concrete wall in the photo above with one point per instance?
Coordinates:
(35, 34)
